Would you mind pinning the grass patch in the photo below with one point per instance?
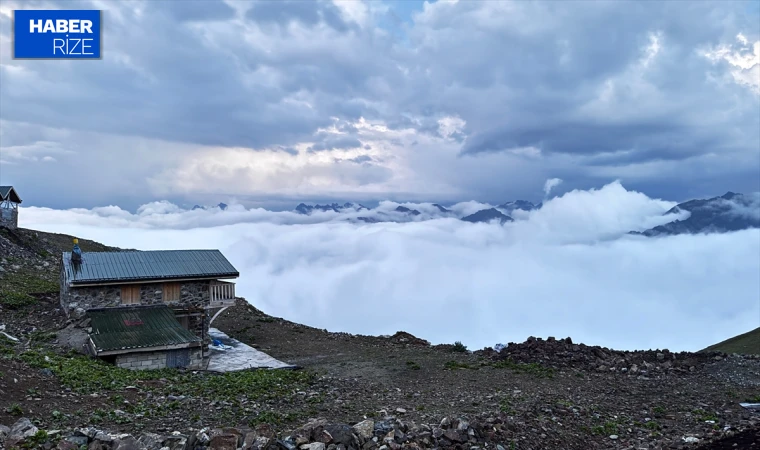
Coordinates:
(535, 369)
(454, 365)
(606, 429)
(747, 344)
(14, 410)
(413, 365)
(38, 336)
(15, 300)
(87, 375)
(458, 347)
(703, 416)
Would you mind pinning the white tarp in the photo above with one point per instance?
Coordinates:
(236, 356)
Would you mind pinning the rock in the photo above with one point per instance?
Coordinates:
(453, 436)
(66, 445)
(613, 436)
(690, 439)
(382, 428)
(343, 434)
(660, 356)
(22, 429)
(4, 431)
(365, 429)
(400, 411)
(78, 440)
(249, 439)
(313, 446)
(225, 441)
(151, 441)
(127, 442)
(176, 442)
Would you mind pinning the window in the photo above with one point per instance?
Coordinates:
(171, 292)
(130, 295)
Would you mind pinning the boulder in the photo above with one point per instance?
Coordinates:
(226, 441)
(22, 429)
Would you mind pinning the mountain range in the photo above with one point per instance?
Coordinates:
(221, 206)
(729, 212)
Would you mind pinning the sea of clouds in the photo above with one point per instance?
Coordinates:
(568, 269)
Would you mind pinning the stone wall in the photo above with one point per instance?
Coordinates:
(157, 360)
(76, 300)
(9, 218)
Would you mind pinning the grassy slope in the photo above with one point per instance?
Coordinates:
(747, 343)
(30, 263)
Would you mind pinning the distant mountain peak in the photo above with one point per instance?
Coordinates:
(404, 209)
(303, 208)
(441, 208)
(487, 215)
(718, 214)
(519, 204)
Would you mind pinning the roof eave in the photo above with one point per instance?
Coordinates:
(155, 348)
(91, 283)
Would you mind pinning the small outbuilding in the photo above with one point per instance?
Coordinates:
(147, 309)
(9, 201)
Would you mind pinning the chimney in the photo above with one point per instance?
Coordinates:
(76, 253)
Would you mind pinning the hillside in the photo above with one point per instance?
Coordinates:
(398, 390)
(747, 343)
(729, 212)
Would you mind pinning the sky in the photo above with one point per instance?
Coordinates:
(567, 269)
(268, 104)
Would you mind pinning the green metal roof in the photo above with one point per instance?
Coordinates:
(7, 192)
(110, 267)
(129, 328)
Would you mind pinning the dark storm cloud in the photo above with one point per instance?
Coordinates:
(578, 83)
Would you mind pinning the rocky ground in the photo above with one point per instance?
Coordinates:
(364, 392)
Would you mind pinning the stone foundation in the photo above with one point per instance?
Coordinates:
(157, 360)
(9, 218)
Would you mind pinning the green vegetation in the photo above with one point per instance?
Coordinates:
(14, 410)
(454, 365)
(17, 289)
(15, 300)
(606, 429)
(703, 416)
(36, 440)
(459, 347)
(87, 375)
(413, 365)
(747, 344)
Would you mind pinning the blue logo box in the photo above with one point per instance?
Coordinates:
(57, 34)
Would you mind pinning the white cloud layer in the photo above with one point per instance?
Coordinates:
(568, 269)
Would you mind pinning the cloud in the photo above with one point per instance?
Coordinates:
(550, 184)
(568, 269)
(452, 101)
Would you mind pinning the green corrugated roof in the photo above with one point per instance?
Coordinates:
(135, 328)
(103, 267)
(6, 191)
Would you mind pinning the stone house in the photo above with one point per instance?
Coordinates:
(9, 201)
(147, 309)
